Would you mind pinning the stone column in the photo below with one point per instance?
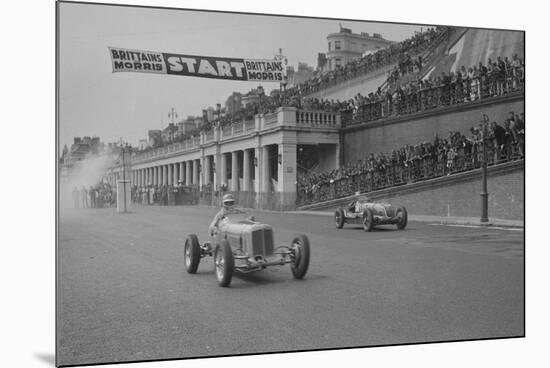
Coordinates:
(196, 172)
(287, 175)
(206, 169)
(182, 171)
(201, 171)
(187, 173)
(155, 173)
(164, 171)
(246, 170)
(223, 169)
(265, 169)
(170, 175)
(257, 167)
(234, 171)
(216, 172)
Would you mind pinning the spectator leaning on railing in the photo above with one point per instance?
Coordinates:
(465, 85)
(422, 161)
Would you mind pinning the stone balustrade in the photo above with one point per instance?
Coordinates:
(283, 117)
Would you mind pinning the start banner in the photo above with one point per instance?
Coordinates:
(141, 61)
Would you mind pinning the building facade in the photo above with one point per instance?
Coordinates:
(256, 160)
(345, 46)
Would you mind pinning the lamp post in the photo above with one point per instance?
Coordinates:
(125, 147)
(484, 194)
(281, 57)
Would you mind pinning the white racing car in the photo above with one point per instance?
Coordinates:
(244, 245)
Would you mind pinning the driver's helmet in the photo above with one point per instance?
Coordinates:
(228, 200)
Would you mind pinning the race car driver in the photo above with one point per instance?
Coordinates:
(228, 201)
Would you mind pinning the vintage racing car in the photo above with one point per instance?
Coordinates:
(245, 245)
(370, 214)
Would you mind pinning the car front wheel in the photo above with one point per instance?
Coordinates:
(401, 214)
(339, 218)
(192, 253)
(368, 220)
(224, 263)
(301, 253)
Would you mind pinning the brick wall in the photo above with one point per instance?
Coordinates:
(383, 136)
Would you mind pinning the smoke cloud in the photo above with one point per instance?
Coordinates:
(87, 172)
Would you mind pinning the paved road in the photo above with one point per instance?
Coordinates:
(124, 294)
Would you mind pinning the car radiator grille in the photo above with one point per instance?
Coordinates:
(262, 242)
(268, 238)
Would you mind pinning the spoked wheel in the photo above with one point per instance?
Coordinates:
(192, 253)
(224, 263)
(339, 218)
(301, 253)
(402, 216)
(368, 220)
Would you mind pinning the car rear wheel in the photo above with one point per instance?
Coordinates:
(224, 263)
(368, 220)
(301, 252)
(402, 216)
(339, 218)
(192, 253)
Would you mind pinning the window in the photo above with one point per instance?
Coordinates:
(337, 45)
(328, 45)
(337, 62)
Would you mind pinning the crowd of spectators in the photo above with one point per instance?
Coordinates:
(400, 52)
(164, 194)
(411, 163)
(393, 98)
(495, 78)
(295, 97)
(95, 196)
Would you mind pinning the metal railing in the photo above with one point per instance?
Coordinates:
(423, 99)
(413, 170)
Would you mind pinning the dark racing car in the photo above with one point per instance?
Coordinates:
(370, 214)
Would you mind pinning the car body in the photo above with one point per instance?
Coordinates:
(239, 243)
(369, 214)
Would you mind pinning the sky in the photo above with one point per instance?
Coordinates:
(93, 101)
